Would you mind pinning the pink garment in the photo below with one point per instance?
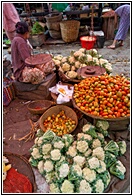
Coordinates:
(10, 17)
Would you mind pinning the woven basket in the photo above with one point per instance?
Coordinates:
(115, 124)
(23, 166)
(53, 26)
(69, 30)
(54, 17)
(55, 110)
(55, 34)
(39, 106)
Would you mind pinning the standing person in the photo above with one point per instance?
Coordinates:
(124, 13)
(20, 51)
(10, 18)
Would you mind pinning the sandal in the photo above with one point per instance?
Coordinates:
(111, 47)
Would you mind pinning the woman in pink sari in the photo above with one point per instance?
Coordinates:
(10, 18)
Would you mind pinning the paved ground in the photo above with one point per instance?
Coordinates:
(16, 116)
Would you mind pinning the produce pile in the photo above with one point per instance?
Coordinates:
(37, 28)
(59, 124)
(104, 96)
(78, 165)
(81, 58)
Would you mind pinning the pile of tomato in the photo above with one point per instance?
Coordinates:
(105, 96)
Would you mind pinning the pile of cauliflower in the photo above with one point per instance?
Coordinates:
(81, 58)
(81, 165)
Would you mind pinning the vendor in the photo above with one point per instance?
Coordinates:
(20, 50)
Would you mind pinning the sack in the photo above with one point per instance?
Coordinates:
(8, 91)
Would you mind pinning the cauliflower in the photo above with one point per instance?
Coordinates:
(59, 144)
(73, 68)
(78, 54)
(57, 62)
(72, 151)
(102, 167)
(122, 147)
(35, 153)
(46, 148)
(77, 64)
(67, 187)
(72, 74)
(54, 188)
(40, 140)
(46, 156)
(40, 166)
(88, 127)
(85, 187)
(89, 174)
(103, 61)
(99, 153)
(82, 146)
(83, 65)
(68, 139)
(96, 60)
(108, 67)
(63, 170)
(71, 60)
(48, 166)
(49, 177)
(93, 163)
(84, 136)
(88, 152)
(89, 57)
(76, 169)
(106, 178)
(99, 186)
(55, 154)
(83, 50)
(96, 143)
(79, 160)
(100, 135)
(118, 169)
(65, 67)
(64, 59)
(58, 57)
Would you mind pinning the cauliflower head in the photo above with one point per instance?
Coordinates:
(93, 163)
(72, 74)
(72, 151)
(89, 174)
(96, 143)
(80, 160)
(48, 166)
(63, 170)
(67, 187)
(99, 153)
(54, 188)
(66, 67)
(99, 186)
(40, 166)
(85, 187)
(82, 146)
(46, 148)
(35, 153)
(55, 154)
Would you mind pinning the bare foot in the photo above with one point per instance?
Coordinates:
(111, 47)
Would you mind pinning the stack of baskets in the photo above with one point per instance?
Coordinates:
(53, 24)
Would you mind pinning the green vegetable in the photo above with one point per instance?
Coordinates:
(90, 129)
(106, 178)
(49, 136)
(112, 147)
(122, 147)
(118, 170)
(37, 28)
(8, 41)
(75, 173)
(102, 127)
(110, 159)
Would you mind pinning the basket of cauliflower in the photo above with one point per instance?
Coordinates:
(69, 65)
(81, 165)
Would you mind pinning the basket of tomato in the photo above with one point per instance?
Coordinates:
(106, 98)
(60, 119)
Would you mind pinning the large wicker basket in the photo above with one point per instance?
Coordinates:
(115, 124)
(55, 110)
(69, 30)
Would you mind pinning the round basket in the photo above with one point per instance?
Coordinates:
(39, 106)
(64, 78)
(53, 26)
(54, 17)
(55, 34)
(115, 124)
(69, 30)
(23, 166)
(56, 110)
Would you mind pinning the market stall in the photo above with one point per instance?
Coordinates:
(90, 131)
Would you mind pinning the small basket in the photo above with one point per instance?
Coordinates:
(39, 106)
(56, 110)
(88, 42)
(69, 30)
